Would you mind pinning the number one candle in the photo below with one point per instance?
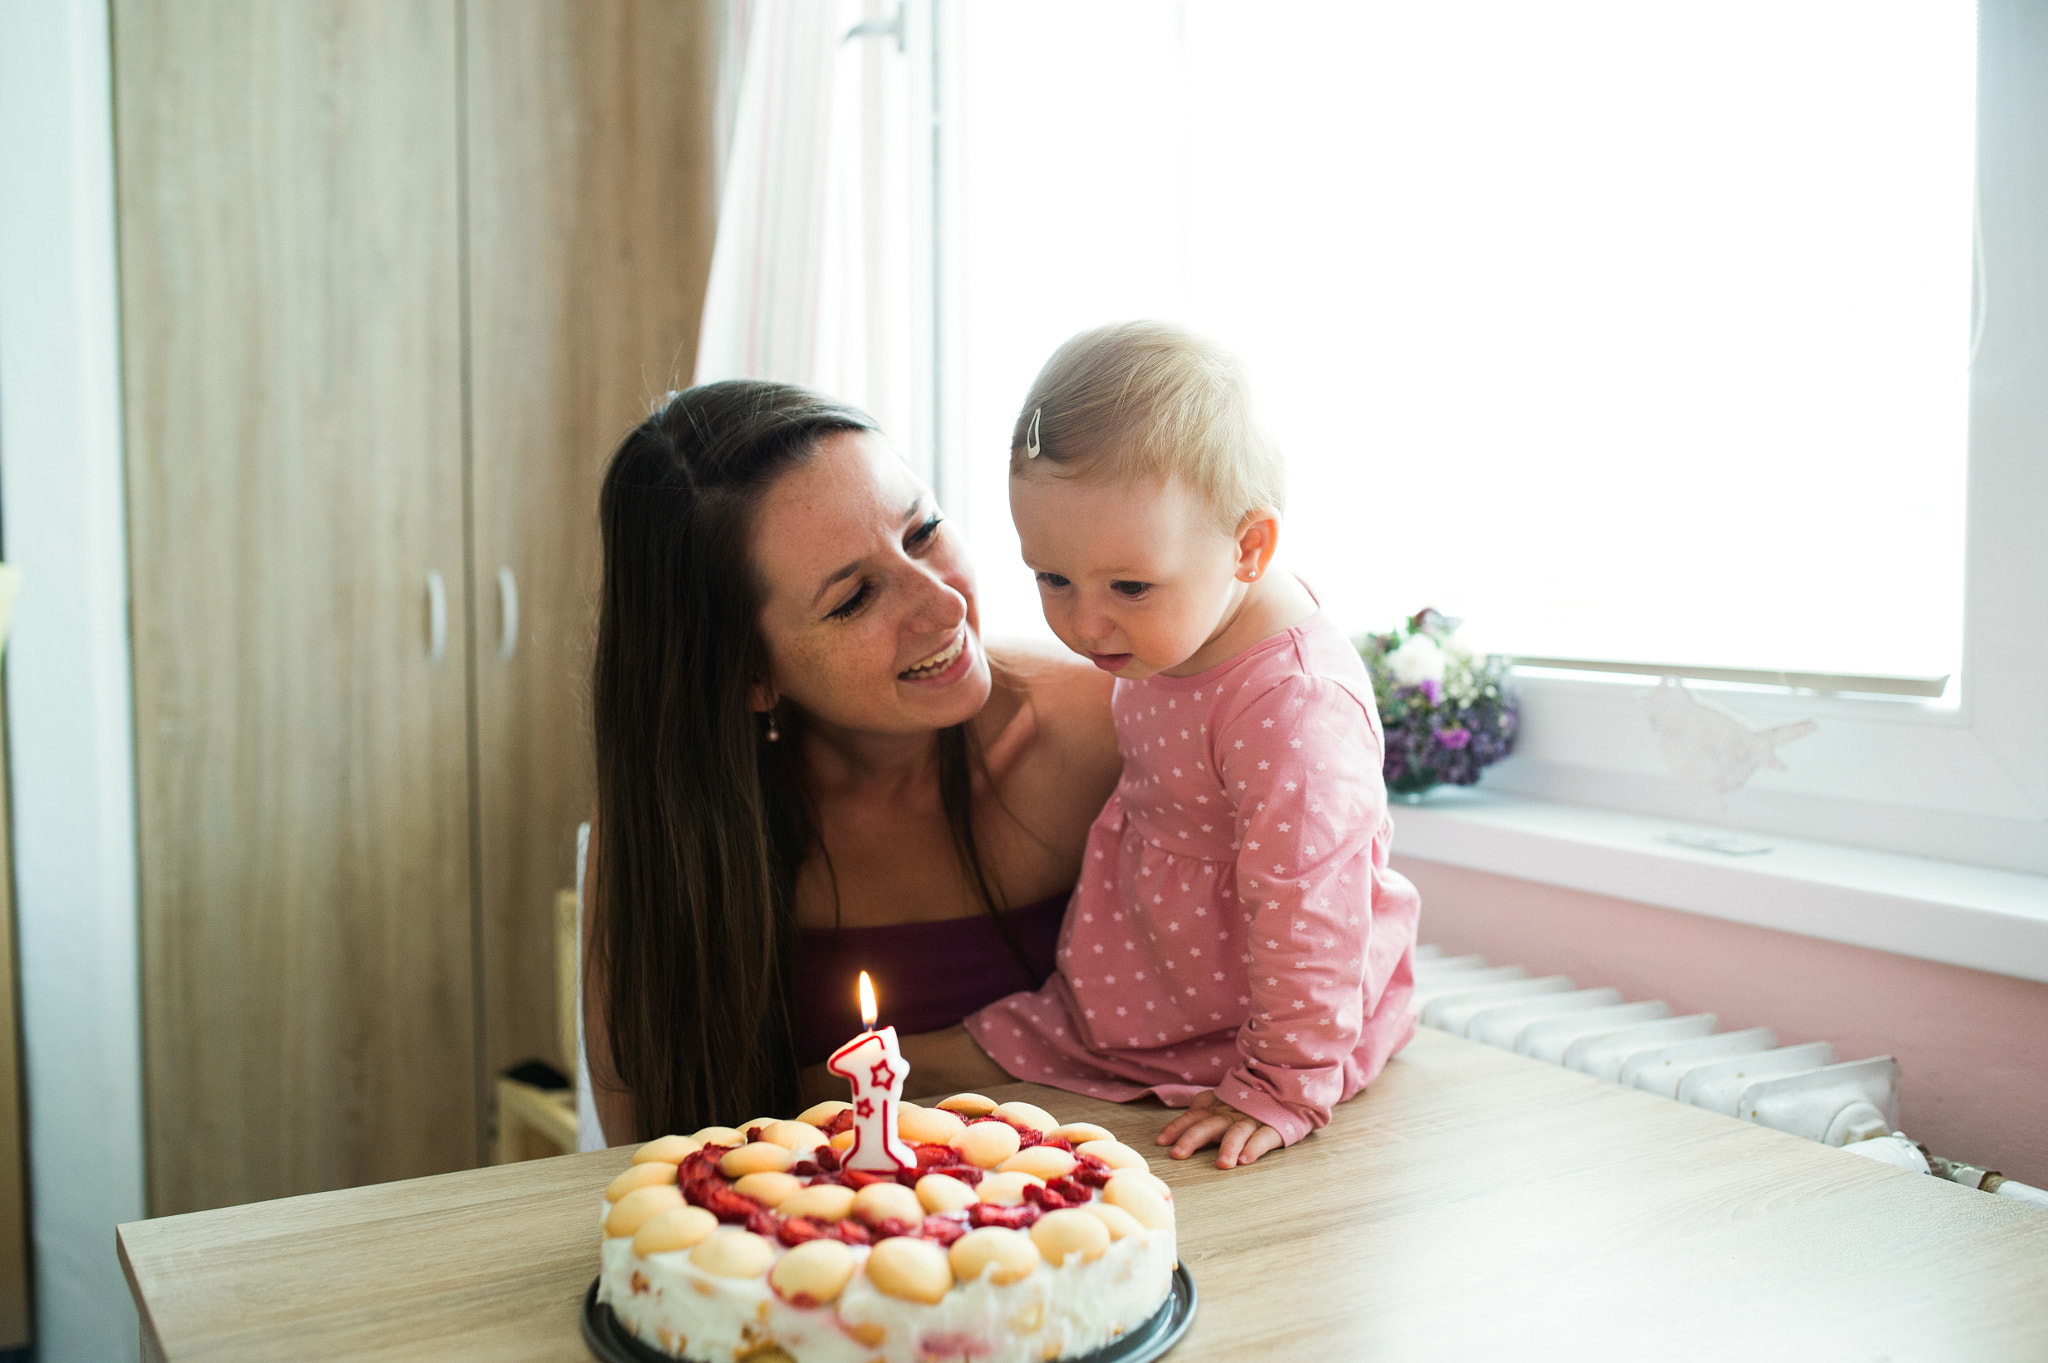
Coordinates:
(874, 1065)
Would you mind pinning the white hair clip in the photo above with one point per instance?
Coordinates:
(1031, 435)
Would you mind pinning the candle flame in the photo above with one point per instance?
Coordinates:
(867, 1000)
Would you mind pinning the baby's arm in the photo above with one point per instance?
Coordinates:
(1302, 763)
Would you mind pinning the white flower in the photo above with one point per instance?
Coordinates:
(1416, 661)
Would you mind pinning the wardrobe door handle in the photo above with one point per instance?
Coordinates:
(437, 617)
(508, 614)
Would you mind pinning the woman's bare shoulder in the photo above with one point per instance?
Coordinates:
(1066, 698)
(1049, 678)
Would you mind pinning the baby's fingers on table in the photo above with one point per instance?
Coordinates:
(1171, 1132)
(1228, 1149)
(1250, 1140)
(1199, 1134)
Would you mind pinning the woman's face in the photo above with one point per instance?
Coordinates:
(869, 615)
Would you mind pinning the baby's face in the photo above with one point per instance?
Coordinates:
(1135, 577)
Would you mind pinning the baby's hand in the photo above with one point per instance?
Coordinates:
(1239, 1139)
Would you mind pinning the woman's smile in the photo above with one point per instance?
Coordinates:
(949, 664)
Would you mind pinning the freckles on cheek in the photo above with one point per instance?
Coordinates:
(810, 659)
(822, 666)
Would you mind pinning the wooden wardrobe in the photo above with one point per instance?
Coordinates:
(396, 276)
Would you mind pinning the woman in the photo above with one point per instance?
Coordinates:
(808, 764)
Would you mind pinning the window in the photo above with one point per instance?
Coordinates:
(1628, 332)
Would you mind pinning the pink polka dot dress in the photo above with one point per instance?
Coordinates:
(1235, 926)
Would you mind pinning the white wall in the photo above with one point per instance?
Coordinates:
(68, 706)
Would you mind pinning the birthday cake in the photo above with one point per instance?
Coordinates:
(1008, 1237)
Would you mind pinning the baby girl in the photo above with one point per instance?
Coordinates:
(1236, 944)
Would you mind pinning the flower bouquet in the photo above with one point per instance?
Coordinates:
(1447, 712)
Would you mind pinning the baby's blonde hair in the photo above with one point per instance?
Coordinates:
(1150, 400)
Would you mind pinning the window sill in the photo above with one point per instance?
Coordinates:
(1939, 911)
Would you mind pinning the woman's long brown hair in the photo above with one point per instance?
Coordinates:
(703, 825)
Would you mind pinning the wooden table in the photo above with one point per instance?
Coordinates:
(1474, 1204)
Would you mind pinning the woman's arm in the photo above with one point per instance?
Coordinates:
(613, 1101)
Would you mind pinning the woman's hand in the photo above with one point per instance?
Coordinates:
(947, 1062)
(1239, 1139)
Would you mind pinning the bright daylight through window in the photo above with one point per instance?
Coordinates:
(1627, 331)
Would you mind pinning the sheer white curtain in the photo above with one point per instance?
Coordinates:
(807, 274)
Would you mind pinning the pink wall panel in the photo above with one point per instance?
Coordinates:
(1973, 1046)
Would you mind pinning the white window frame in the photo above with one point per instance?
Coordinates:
(1961, 780)
(1966, 781)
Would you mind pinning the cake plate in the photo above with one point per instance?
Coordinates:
(614, 1343)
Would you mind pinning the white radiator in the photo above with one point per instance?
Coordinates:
(1802, 1089)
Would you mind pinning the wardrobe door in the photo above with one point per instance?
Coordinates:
(592, 211)
(288, 182)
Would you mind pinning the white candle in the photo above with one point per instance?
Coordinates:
(874, 1065)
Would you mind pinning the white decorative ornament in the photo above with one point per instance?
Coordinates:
(1710, 745)
(1031, 435)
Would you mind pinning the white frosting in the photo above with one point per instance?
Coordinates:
(1055, 1312)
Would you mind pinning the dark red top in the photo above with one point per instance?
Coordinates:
(928, 976)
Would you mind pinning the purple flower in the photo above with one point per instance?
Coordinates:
(1430, 739)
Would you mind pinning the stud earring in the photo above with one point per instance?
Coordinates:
(1252, 574)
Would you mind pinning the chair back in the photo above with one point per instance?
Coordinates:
(568, 924)
(589, 1132)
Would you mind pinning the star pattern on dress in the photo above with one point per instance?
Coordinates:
(1204, 1010)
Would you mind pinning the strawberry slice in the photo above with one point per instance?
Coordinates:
(943, 1230)
(1019, 1217)
(861, 1178)
(701, 1188)
(1091, 1171)
(1043, 1196)
(852, 1232)
(731, 1207)
(797, 1229)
